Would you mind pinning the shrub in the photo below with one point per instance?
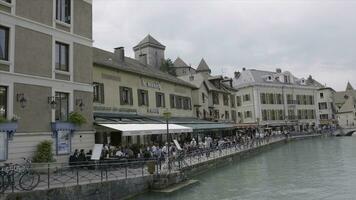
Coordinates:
(43, 152)
(3, 119)
(76, 118)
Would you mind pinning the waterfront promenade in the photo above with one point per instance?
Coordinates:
(60, 176)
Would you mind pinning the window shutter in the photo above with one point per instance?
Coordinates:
(139, 97)
(171, 98)
(147, 99)
(120, 95)
(157, 99)
(101, 93)
(130, 97)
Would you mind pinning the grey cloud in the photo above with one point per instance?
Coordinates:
(316, 37)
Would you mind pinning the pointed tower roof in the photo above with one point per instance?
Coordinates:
(179, 63)
(149, 41)
(349, 86)
(203, 67)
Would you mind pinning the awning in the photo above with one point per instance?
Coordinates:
(201, 127)
(147, 129)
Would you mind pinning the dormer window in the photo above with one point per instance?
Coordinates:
(269, 78)
(286, 79)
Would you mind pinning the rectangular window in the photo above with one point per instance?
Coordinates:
(62, 56)
(279, 98)
(324, 116)
(3, 101)
(4, 43)
(187, 103)
(290, 99)
(321, 95)
(264, 115)
(227, 115)
(226, 99)
(248, 114)
(126, 96)
(232, 100)
(142, 97)
(233, 115)
(291, 115)
(323, 106)
(179, 102)
(270, 98)
(203, 97)
(62, 106)
(263, 98)
(98, 93)
(238, 101)
(215, 98)
(172, 100)
(246, 97)
(3, 146)
(63, 11)
(216, 114)
(160, 100)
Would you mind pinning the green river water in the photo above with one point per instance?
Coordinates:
(319, 168)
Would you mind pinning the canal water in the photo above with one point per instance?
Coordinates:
(319, 168)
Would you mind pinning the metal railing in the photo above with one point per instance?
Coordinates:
(58, 175)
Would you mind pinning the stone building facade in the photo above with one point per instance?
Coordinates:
(345, 102)
(276, 99)
(45, 73)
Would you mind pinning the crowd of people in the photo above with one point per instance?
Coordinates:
(161, 151)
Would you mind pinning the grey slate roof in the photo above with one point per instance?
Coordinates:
(253, 76)
(179, 63)
(203, 66)
(349, 86)
(109, 59)
(149, 40)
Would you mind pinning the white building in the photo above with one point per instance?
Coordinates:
(345, 102)
(276, 99)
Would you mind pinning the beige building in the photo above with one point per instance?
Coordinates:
(345, 102)
(276, 99)
(130, 91)
(214, 99)
(45, 73)
(327, 108)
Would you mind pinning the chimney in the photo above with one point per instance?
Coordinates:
(120, 52)
(279, 70)
(143, 58)
(237, 74)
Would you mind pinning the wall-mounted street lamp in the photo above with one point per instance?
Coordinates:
(20, 97)
(80, 104)
(52, 102)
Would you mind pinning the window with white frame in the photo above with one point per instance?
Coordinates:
(62, 106)
(62, 56)
(4, 43)
(3, 101)
(63, 11)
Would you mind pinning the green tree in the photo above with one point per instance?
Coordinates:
(167, 66)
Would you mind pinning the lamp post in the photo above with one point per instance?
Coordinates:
(167, 115)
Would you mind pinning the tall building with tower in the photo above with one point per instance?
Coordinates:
(149, 51)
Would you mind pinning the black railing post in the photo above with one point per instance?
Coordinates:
(143, 165)
(48, 176)
(77, 176)
(126, 171)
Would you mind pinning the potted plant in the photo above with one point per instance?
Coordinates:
(76, 118)
(43, 156)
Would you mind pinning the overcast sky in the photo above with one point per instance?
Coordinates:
(314, 37)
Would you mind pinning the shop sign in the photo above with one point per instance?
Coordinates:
(151, 84)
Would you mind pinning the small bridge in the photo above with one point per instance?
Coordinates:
(347, 131)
